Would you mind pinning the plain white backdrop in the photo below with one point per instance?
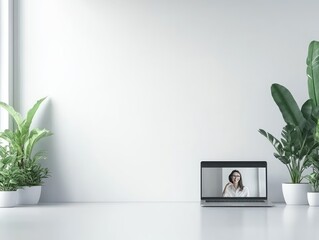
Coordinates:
(140, 91)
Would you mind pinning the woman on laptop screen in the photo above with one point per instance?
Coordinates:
(235, 187)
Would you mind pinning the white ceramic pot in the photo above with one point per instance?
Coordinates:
(8, 198)
(296, 193)
(313, 199)
(29, 195)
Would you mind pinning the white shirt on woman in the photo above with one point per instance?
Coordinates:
(231, 191)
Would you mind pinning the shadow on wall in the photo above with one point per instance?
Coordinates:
(54, 186)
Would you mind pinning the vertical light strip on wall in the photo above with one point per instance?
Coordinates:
(6, 58)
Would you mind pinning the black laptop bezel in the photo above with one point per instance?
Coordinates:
(232, 164)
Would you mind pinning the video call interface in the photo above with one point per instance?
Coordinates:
(244, 182)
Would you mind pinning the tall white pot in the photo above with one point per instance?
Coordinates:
(8, 198)
(29, 195)
(296, 193)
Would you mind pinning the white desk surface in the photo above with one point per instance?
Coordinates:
(161, 220)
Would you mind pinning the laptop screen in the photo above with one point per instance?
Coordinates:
(233, 179)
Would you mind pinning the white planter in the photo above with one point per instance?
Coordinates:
(8, 198)
(29, 195)
(313, 199)
(296, 193)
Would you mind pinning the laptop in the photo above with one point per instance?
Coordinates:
(234, 184)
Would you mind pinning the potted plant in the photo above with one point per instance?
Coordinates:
(313, 196)
(297, 143)
(22, 141)
(34, 173)
(10, 178)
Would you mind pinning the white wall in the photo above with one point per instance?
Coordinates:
(141, 91)
(6, 58)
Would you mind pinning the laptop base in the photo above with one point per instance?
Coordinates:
(237, 204)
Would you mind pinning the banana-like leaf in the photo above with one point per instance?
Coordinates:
(307, 108)
(15, 115)
(35, 135)
(287, 105)
(274, 141)
(41, 155)
(283, 159)
(315, 113)
(313, 71)
(317, 132)
(27, 122)
(12, 138)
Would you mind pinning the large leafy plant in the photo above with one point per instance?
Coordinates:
(298, 147)
(313, 90)
(22, 141)
(297, 144)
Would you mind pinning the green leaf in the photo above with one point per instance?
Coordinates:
(283, 159)
(35, 135)
(315, 113)
(13, 140)
(313, 71)
(274, 141)
(307, 109)
(316, 137)
(287, 105)
(25, 126)
(39, 156)
(15, 115)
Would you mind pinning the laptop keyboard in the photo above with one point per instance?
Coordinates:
(236, 200)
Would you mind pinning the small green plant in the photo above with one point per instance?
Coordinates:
(10, 174)
(10, 178)
(34, 173)
(21, 142)
(313, 177)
